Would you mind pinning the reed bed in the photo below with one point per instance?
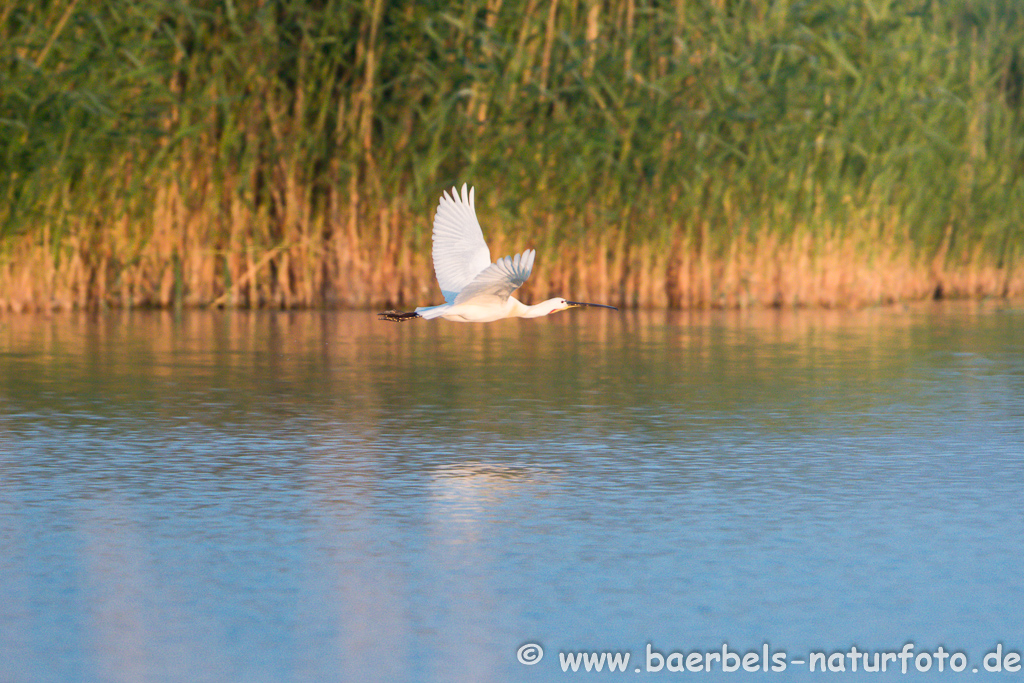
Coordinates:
(696, 153)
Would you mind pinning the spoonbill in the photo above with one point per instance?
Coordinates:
(476, 290)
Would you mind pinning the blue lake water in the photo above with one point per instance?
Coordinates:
(221, 496)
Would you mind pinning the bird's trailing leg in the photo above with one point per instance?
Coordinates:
(396, 317)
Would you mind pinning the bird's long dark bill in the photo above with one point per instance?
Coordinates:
(581, 303)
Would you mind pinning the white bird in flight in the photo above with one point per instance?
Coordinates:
(476, 290)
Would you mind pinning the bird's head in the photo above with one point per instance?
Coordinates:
(559, 304)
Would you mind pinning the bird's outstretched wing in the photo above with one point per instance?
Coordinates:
(460, 252)
(499, 280)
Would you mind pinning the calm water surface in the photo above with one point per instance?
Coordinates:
(323, 497)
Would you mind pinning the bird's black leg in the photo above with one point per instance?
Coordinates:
(396, 317)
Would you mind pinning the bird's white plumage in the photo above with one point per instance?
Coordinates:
(497, 282)
(460, 252)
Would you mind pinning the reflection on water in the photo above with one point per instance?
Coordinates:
(307, 496)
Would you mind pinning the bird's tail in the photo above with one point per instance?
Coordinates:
(429, 312)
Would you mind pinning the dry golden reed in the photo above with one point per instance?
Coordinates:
(801, 269)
